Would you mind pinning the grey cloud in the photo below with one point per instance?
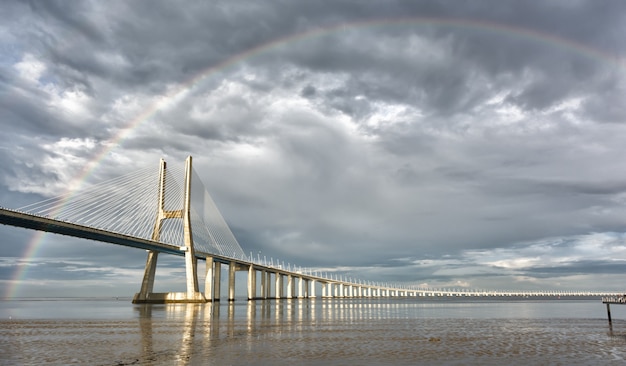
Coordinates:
(578, 268)
(72, 17)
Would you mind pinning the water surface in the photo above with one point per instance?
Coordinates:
(311, 332)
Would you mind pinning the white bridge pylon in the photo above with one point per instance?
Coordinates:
(146, 294)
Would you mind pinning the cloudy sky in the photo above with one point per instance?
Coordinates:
(475, 144)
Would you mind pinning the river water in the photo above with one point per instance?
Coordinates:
(401, 331)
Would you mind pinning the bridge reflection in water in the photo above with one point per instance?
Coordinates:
(186, 333)
(277, 330)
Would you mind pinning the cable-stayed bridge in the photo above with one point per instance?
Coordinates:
(170, 211)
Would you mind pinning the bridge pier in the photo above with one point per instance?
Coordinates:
(289, 286)
(268, 285)
(263, 285)
(251, 283)
(217, 281)
(279, 285)
(301, 287)
(147, 285)
(232, 267)
(208, 280)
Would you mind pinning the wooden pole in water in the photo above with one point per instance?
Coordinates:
(608, 311)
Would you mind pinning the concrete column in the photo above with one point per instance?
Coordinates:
(268, 284)
(217, 280)
(208, 279)
(289, 286)
(231, 281)
(279, 285)
(312, 288)
(341, 290)
(300, 287)
(324, 286)
(192, 276)
(263, 284)
(251, 283)
(147, 285)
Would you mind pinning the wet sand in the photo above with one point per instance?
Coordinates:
(295, 333)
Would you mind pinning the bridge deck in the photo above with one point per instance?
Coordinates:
(29, 221)
(347, 287)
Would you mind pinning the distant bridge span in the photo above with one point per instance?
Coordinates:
(216, 244)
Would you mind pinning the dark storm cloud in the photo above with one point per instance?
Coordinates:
(71, 16)
(336, 134)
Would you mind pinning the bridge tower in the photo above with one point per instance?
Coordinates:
(145, 295)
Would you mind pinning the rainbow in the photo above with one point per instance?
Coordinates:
(179, 92)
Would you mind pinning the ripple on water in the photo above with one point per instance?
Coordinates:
(201, 340)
